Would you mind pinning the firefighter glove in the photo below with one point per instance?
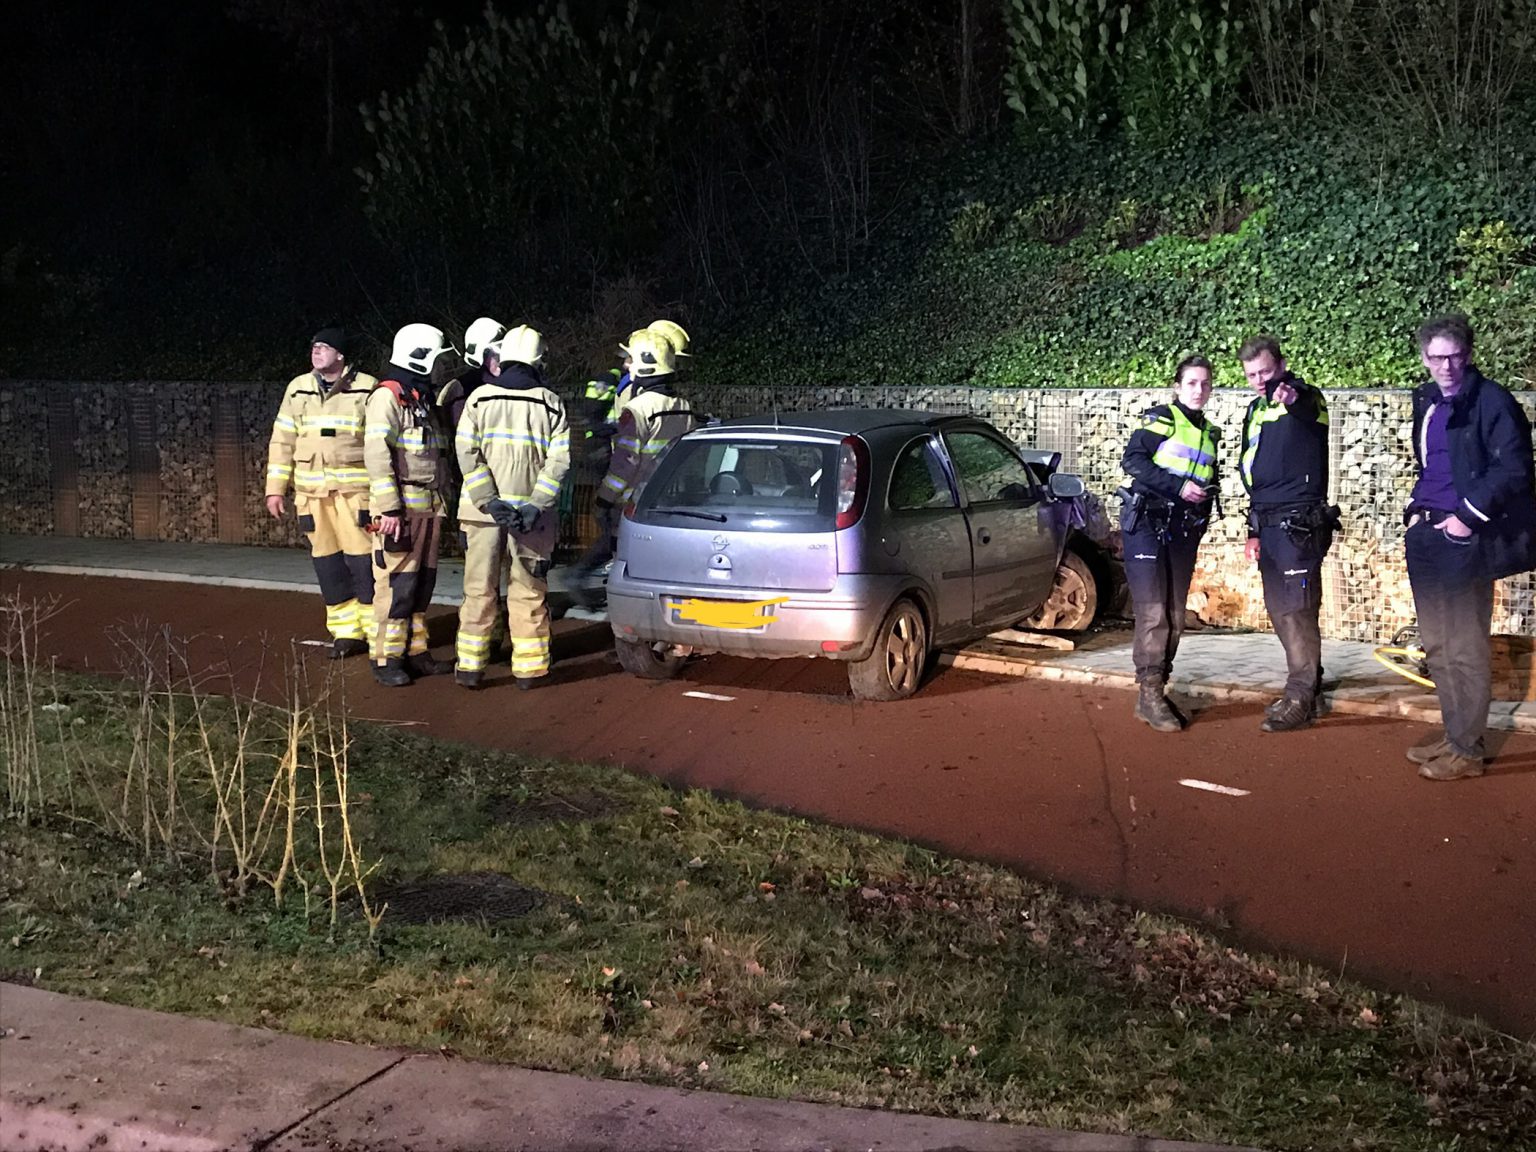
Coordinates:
(505, 514)
(527, 515)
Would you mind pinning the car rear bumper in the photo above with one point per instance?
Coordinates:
(802, 622)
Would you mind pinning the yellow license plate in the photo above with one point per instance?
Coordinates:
(737, 615)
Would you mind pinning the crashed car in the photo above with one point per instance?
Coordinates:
(868, 536)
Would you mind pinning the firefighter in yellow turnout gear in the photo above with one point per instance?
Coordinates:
(649, 420)
(513, 446)
(317, 448)
(408, 489)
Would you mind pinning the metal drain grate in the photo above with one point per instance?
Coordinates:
(464, 896)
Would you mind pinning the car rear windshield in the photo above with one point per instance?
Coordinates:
(764, 484)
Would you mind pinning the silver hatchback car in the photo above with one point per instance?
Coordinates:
(871, 536)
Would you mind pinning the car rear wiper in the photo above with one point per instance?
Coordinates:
(717, 517)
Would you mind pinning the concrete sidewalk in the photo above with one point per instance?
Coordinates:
(1213, 665)
(76, 1074)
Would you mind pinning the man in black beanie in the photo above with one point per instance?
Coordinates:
(317, 447)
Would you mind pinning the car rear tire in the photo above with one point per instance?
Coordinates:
(1073, 604)
(894, 670)
(648, 661)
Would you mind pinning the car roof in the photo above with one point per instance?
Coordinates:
(848, 421)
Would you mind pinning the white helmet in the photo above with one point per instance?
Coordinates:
(522, 344)
(651, 354)
(417, 347)
(479, 336)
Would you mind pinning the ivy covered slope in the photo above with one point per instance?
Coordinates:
(1101, 264)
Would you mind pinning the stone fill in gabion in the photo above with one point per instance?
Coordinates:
(1366, 595)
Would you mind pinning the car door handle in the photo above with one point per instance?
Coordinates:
(984, 536)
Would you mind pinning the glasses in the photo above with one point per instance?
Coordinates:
(1448, 358)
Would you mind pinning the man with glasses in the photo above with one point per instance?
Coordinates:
(1471, 521)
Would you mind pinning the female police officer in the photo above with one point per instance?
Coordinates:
(1171, 460)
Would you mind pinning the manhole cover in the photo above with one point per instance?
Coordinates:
(510, 809)
(463, 896)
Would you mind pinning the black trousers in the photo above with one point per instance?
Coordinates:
(1454, 601)
(1158, 571)
(1292, 570)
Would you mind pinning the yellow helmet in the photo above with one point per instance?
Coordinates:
(479, 336)
(651, 354)
(521, 344)
(674, 333)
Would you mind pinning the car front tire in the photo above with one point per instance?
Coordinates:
(648, 661)
(894, 670)
(1073, 604)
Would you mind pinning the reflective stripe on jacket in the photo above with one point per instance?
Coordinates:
(648, 424)
(1285, 448)
(407, 465)
(513, 444)
(317, 437)
(1187, 452)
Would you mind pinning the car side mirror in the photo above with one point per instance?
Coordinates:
(1067, 487)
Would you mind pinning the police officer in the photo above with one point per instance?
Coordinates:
(513, 446)
(1471, 521)
(408, 490)
(1290, 523)
(317, 447)
(1172, 462)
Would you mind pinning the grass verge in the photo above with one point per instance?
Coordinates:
(690, 941)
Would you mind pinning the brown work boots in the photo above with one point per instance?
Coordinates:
(1438, 760)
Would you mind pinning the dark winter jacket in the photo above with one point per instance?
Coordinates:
(1284, 453)
(1489, 437)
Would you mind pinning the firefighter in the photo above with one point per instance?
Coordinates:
(317, 446)
(483, 366)
(649, 421)
(407, 489)
(513, 446)
(1172, 462)
(1290, 523)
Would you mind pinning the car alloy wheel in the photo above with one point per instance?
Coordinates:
(1074, 599)
(894, 670)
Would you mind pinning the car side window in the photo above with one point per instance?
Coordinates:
(988, 470)
(918, 480)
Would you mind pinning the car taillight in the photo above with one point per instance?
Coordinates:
(629, 510)
(852, 481)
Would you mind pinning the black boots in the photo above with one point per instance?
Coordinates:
(425, 664)
(1153, 708)
(342, 648)
(392, 673)
(464, 678)
(1289, 715)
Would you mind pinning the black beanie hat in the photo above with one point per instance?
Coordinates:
(334, 337)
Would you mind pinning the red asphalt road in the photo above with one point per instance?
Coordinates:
(1340, 854)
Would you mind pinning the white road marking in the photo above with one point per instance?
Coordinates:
(707, 696)
(1207, 786)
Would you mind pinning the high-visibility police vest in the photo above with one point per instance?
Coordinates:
(606, 394)
(1262, 414)
(1187, 451)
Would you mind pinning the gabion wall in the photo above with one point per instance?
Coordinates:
(187, 462)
